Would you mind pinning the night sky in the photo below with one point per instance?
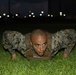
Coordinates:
(24, 6)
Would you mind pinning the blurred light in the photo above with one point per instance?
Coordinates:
(16, 14)
(33, 15)
(60, 13)
(29, 15)
(12, 16)
(0, 16)
(8, 16)
(29, 11)
(51, 15)
(48, 15)
(24, 16)
(40, 14)
(64, 14)
(4, 14)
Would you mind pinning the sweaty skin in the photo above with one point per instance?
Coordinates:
(39, 41)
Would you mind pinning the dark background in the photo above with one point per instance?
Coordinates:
(48, 6)
(22, 7)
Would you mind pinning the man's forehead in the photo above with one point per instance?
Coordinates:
(38, 32)
(39, 37)
(39, 40)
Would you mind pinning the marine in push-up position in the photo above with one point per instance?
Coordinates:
(39, 44)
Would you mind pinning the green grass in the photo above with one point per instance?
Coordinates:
(22, 66)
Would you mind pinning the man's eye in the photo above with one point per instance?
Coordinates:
(37, 45)
(44, 44)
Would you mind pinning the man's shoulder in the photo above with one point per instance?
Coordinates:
(49, 40)
(49, 35)
(29, 53)
(27, 40)
(27, 36)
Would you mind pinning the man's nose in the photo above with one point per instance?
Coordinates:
(41, 48)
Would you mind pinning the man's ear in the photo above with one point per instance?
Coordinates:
(30, 43)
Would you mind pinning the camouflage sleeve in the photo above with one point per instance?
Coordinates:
(63, 39)
(13, 40)
(55, 44)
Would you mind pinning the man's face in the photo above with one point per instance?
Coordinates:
(39, 43)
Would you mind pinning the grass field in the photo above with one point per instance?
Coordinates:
(22, 66)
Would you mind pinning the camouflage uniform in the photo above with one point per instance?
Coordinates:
(30, 53)
(63, 39)
(13, 40)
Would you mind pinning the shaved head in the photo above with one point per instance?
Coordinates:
(38, 32)
(39, 41)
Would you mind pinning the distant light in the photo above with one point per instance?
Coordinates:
(29, 15)
(12, 16)
(8, 16)
(60, 13)
(51, 15)
(29, 11)
(48, 15)
(16, 14)
(24, 16)
(40, 14)
(64, 14)
(4, 14)
(32, 13)
(0, 16)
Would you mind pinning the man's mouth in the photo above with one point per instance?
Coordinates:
(41, 53)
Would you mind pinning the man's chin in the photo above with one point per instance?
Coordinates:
(40, 54)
